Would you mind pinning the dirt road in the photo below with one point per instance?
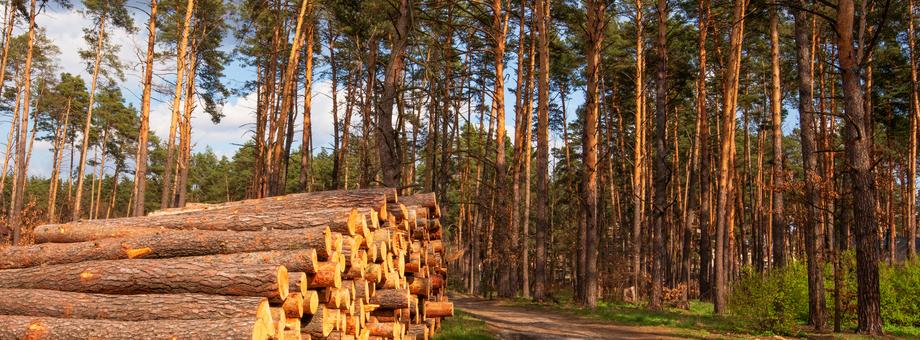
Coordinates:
(517, 322)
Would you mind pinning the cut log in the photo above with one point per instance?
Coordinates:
(293, 305)
(391, 298)
(427, 200)
(294, 260)
(169, 245)
(339, 220)
(436, 309)
(389, 330)
(58, 304)
(419, 286)
(88, 243)
(362, 290)
(336, 335)
(29, 327)
(298, 282)
(420, 332)
(310, 302)
(179, 275)
(328, 274)
(321, 323)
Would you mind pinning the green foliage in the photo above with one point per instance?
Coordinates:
(778, 301)
(773, 302)
(900, 288)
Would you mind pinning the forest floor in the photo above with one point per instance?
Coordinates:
(510, 320)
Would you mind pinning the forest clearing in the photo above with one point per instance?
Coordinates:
(685, 161)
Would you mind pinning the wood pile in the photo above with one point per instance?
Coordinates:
(357, 264)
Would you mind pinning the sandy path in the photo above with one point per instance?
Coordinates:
(519, 322)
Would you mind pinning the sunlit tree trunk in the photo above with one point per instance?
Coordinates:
(166, 196)
(724, 204)
(858, 141)
(388, 144)
(595, 40)
(140, 173)
(662, 170)
(638, 155)
(306, 150)
(21, 167)
(61, 137)
(541, 212)
(912, 156)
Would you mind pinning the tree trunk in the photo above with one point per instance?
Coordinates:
(306, 150)
(541, 213)
(58, 158)
(816, 301)
(140, 173)
(388, 143)
(779, 225)
(858, 139)
(21, 167)
(638, 155)
(662, 168)
(912, 156)
(595, 30)
(166, 198)
(726, 156)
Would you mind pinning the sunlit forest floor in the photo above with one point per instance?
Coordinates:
(696, 322)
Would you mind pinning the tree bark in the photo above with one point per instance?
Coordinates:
(858, 140)
(541, 212)
(705, 280)
(306, 147)
(816, 302)
(168, 244)
(166, 198)
(137, 276)
(140, 173)
(779, 225)
(662, 168)
(912, 156)
(21, 162)
(388, 144)
(595, 29)
(726, 156)
(25, 327)
(58, 304)
(638, 155)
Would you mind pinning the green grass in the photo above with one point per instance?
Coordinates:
(463, 326)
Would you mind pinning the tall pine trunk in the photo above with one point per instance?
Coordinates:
(724, 206)
(541, 212)
(166, 195)
(140, 173)
(662, 170)
(859, 151)
(21, 162)
(638, 156)
(803, 30)
(75, 214)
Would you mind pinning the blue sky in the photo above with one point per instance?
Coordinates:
(64, 28)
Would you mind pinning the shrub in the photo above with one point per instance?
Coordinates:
(772, 302)
(900, 289)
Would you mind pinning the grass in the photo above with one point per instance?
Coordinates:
(463, 326)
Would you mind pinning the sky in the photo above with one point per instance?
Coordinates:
(64, 28)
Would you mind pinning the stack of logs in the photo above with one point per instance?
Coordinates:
(357, 264)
